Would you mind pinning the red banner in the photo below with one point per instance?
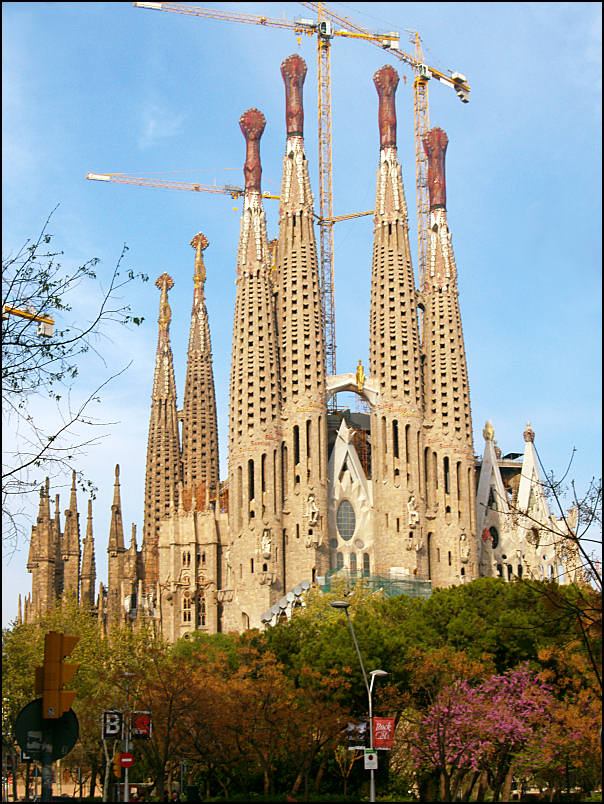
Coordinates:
(383, 732)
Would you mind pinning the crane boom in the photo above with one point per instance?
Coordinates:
(169, 184)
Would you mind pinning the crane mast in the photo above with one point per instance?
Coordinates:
(326, 271)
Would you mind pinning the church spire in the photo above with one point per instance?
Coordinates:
(115, 554)
(199, 428)
(449, 446)
(301, 349)
(255, 411)
(88, 572)
(116, 528)
(395, 359)
(71, 544)
(163, 449)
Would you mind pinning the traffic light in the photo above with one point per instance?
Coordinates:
(117, 765)
(55, 673)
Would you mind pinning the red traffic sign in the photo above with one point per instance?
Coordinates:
(126, 760)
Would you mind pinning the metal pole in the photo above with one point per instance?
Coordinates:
(371, 772)
(47, 766)
(368, 688)
(354, 639)
(126, 787)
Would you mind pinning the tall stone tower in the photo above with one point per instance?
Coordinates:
(394, 361)
(190, 539)
(255, 444)
(88, 571)
(449, 452)
(302, 354)
(199, 428)
(41, 560)
(115, 555)
(163, 446)
(71, 545)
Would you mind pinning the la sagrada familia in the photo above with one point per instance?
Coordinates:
(312, 491)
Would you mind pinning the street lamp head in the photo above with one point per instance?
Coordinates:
(339, 604)
(378, 673)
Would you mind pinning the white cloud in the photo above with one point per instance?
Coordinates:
(158, 124)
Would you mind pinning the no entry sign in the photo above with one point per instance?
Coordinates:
(126, 760)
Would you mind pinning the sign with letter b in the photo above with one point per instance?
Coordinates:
(112, 725)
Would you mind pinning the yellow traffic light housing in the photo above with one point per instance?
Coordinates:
(55, 673)
(117, 765)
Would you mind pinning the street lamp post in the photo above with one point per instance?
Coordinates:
(127, 676)
(343, 604)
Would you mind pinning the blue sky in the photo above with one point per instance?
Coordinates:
(106, 87)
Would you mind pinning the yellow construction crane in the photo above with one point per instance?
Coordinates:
(45, 322)
(172, 184)
(324, 29)
(195, 187)
(423, 73)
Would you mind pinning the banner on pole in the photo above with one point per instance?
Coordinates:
(141, 725)
(383, 732)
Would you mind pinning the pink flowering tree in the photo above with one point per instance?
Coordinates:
(481, 728)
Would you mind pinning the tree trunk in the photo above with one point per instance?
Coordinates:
(507, 784)
(297, 783)
(320, 773)
(445, 786)
(482, 787)
(470, 787)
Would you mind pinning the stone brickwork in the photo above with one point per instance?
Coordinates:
(255, 478)
(394, 363)
(199, 427)
(302, 355)
(163, 447)
(449, 451)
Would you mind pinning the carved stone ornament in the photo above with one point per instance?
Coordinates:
(267, 578)
(164, 283)
(293, 70)
(386, 82)
(435, 146)
(529, 433)
(252, 123)
(488, 433)
(200, 242)
(464, 548)
(413, 515)
(265, 543)
(312, 510)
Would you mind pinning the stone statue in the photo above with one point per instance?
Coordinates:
(464, 548)
(412, 512)
(265, 543)
(312, 511)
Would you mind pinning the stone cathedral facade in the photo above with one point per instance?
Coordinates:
(312, 491)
